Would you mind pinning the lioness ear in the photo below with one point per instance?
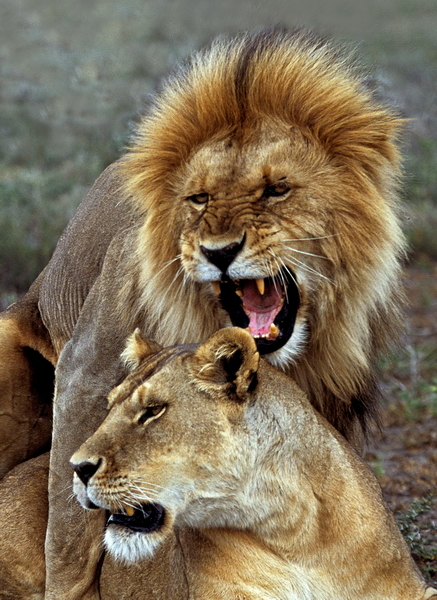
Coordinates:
(227, 363)
(137, 348)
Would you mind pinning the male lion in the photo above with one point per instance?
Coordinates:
(222, 481)
(259, 191)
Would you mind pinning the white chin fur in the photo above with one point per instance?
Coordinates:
(286, 355)
(129, 546)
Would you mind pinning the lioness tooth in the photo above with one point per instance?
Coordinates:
(260, 285)
(129, 510)
(239, 293)
(274, 331)
(216, 287)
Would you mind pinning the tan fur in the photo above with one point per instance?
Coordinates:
(23, 518)
(235, 451)
(263, 499)
(26, 383)
(250, 112)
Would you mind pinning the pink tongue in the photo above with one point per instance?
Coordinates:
(261, 309)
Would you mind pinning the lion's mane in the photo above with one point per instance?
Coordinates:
(299, 81)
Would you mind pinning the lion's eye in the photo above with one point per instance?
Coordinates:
(151, 412)
(278, 189)
(199, 198)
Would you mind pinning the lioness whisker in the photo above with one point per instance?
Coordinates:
(139, 483)
(143, 491)
(67, 487)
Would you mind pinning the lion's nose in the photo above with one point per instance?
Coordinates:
(85, 470)
(222, 257)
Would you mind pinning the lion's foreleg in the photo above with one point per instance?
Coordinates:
(26, 384)
(74, 536)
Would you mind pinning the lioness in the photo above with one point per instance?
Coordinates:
(259, 191)
(220, 480)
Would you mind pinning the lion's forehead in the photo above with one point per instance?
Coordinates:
(227, 168)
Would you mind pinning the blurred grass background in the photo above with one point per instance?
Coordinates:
(75, 75)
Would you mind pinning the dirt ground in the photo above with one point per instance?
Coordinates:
(404, 453)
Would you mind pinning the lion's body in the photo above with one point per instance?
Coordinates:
(265, 163)
(259, 497)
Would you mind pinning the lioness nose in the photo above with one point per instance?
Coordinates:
(222, 257)
(85, 470)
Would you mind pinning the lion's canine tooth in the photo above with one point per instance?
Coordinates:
(261, 286)
(239, 293)
(274, 331)
(216, 287)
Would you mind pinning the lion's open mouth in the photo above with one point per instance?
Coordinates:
(145, 519)
(267, 307)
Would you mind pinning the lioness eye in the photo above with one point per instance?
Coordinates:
(151, 412)
(199, 198)
(278, 189)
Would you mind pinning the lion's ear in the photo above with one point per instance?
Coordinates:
(137, 348)
(227, 363)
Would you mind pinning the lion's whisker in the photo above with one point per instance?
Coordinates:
(167, 264)
(280, 264)
(306, 253)
(321, 237)
(306, 267)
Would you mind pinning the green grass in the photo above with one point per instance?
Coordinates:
(419, 532)
(410, 381)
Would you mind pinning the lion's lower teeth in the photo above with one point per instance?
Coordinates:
(216, 287)
(271, 335)
(274, 331)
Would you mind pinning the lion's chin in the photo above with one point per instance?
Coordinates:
(131, 538)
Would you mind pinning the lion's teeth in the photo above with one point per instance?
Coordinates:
(239, 293)
(260, 285)
(274, 331)
(216, 287)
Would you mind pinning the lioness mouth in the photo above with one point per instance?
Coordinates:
(145, 519)
(266, 308)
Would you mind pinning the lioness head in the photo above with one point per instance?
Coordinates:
(267, 174)
(173, 448)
